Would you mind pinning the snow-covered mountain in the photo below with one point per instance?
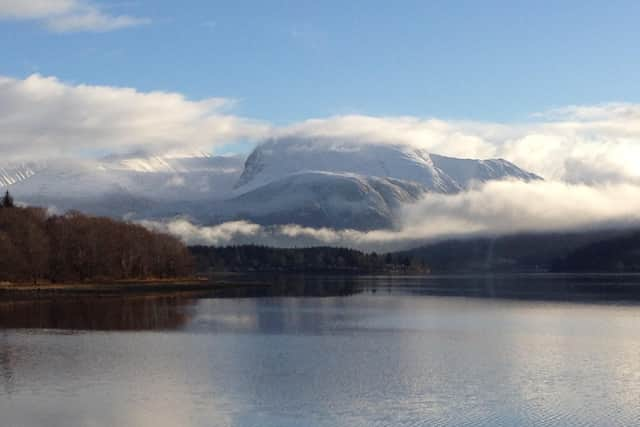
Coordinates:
(349, 185)
(318, 183)
(278, 158)
(122, 185)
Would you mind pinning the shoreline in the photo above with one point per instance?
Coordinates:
(216, 282)
(115, 288)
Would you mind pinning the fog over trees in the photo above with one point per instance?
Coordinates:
(35, 246)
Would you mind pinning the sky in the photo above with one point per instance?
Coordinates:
(287, 61)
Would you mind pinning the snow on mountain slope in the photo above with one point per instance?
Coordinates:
(277, 158)
(72, 178)
(13, 173)
(327, 199)
(115, 186)
(200, 177)
(466, 171)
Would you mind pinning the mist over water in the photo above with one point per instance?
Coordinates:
(362, 352)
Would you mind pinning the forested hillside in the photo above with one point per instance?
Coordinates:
(511, 253)
(74, 247)
(618, 254)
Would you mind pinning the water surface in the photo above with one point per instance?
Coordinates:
(361, 352)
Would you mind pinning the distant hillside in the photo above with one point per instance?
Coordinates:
(617, 254)
(514, 253)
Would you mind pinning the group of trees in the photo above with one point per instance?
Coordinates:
(75, 247)
(317, 259)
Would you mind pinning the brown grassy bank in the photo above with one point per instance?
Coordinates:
(110, 288)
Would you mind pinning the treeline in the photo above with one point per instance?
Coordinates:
(620, 254)
(253, 258)
(35, 246)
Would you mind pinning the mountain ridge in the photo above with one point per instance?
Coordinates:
(277, 158)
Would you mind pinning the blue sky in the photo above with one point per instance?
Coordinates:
(287, 61)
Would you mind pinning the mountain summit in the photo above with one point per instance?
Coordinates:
(277, 158)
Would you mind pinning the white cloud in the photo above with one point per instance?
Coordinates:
(607, 111)
(215, 235)
(43, 117)
(31, 9)
(67, 15)
(92, 20)
(496, 208)
(244, 232)
(502, 207)
(576, 144)
(436, 135)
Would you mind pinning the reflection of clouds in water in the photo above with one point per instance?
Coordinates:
(569, 364)
(105, 379)
(364, 360)
(226, 321)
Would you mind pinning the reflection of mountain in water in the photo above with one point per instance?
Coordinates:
(91, 313)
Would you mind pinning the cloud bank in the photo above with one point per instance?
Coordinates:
(592, 144)
(42, 117)
(495, 208)
(67, 15)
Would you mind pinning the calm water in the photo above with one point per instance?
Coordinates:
(377, 353)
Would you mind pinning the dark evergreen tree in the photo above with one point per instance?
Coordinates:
(7, 201)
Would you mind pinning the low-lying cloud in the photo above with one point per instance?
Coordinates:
(504, 207)
(67, 15)
(495, 208)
